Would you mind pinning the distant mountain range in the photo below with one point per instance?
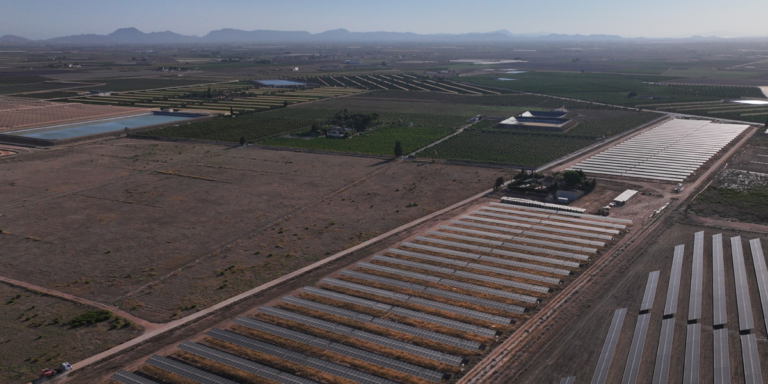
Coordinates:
(236, 36)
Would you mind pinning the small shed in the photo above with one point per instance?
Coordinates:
(624, 197)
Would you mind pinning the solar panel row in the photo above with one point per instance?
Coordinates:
(674, 281)
(744, 306)
(632, 368)
(664, 351)
(722, 366)
(505, 282)
(365, 289)
(386, 362)
(306, 320)
(424, 256)
(448, 323)
(514, 238)
(126, 377)
(408, 348)
(283, 332)
(475, 300)
(477, 248)
(650, 291)
(751, 359)
(383, 280)
(357, 316)
(528, 232)
(718, 281)
(401, 272)
(697, 277)
(510, 245)
(692, 350)
(606, 355)
(554, 229)
(517, 217)
(426, 334)
(186, 371)
(555, 216)
(460, 311)
(761, 272)
(347, 298)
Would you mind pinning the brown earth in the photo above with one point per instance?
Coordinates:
(165, 229)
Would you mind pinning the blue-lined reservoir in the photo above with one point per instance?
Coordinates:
(87, 128)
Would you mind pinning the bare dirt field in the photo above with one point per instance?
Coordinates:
(27, 113)
(165, 229)
(35, 334)
(582, 330)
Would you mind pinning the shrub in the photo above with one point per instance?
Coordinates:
(91, 317)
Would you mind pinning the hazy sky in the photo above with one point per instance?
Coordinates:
(38, 19)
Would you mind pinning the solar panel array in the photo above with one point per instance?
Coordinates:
(186, 371)
(674, 281)
(751, 359)
(664, 351)
(126, 377)
(761, 272)
(692, 351)
(718, 281)
(650, 291)
(474, 263)
(746, 322)
(671, 152)
(722, 365)
(606, 355)
(697, 277)
(632, 368)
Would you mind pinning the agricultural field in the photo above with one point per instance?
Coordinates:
(38, 332)
(48, 95)
(508, 100)
(614, 89)
(18, 113)
(381, 140)
(529, 148)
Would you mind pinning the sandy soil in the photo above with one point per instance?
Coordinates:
(164, 229)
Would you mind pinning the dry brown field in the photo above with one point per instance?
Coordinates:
(165, 229)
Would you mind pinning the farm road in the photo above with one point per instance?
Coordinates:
(148, 326)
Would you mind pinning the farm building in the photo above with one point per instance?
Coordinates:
(548, 121)
(278, 83)
(624, 197)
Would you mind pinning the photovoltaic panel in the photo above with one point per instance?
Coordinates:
(386, 362)
(231, 360)
(521, 247)
(761, 272)
(186, 371)
(424, 256)
(606, 356)
(533, 233)
(674, 281)
(692, 350)
(408, 348)
(535, 267)
(664, 351)
(697, 278)
(568, 380)
(257, 345)
(126, 377)
(490, 291)
(440, 250)
(282, 332)
(365, 289)
(634, 359)
(751, 359)
(347, 298)
(746, 322)
(556, 217)
(473, 256)
(448, 323)
(505, 282)
(383, 280)
(513, 238)
(722, 366)
(650, 291)
(513, 273)
(399, 272)
(413, 264)
(426, 334)
(518, 255)
(718, 281)
(475, 300)
(352, 315)
(460, 311)
(306, 320)
(543, 227)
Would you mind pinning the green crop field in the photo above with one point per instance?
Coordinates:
(48, 95)
(613, 89)
(252, 127)
(527, 147)
(506, 100)
(123, 85)
(381, 141)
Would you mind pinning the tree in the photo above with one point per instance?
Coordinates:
(632, 94)
(285, 103)
(231, 111)
(242, 141)
(574, 178)
(383, 63)
(398, 149)
(498, 184)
